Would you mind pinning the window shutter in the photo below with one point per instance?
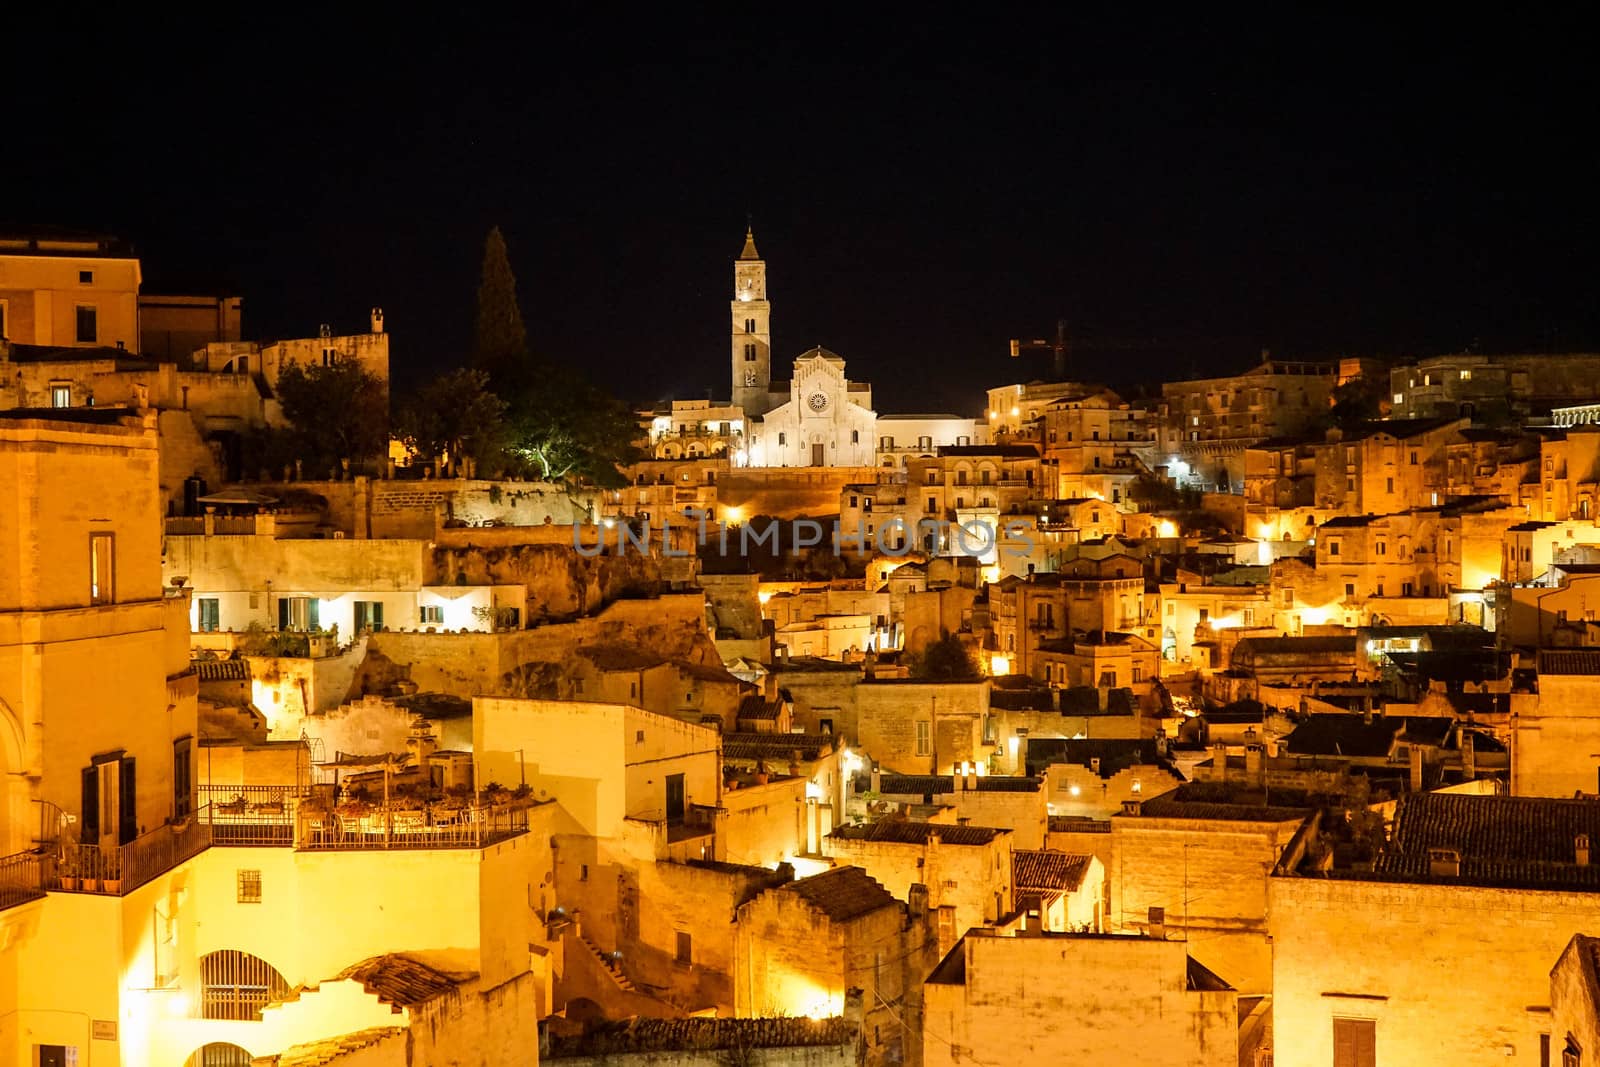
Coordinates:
(128, 806)
(311, 610)
(89, 817)
(283, 613)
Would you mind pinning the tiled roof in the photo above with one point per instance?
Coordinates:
(1173, 806)
(843, 893)
(1335, 734)
(1114, 754)
(317, 1053)
(403, 980)
(1569, 661)
(904, 832)
(1512, 842)
(758, 708)
(222, 670)
(922, 785)
(1047, 869)
(1077, 824)
(1305, 646)
(748, 746)
(1340, 522)
(699, 1034)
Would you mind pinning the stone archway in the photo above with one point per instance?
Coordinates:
(219, 1054)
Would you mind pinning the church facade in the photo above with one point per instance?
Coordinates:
(819, 418)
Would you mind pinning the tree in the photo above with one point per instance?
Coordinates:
(501, 344)
(946, 659)
(339, 412)
(1356, 401)
(565, 429)
(454, 415)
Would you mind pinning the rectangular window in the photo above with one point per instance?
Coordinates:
(57, 1055)
(88, 325)
(1388, 485)
(855, 437)
(1383, 549)
(1138, 674)
(249, 886)
(1349, 589)
(1355, 1043)
(1333, 548)
(61, 396)
(431, 614)
(1466, 376)
(209, 614)
(685, 953)
(182, 777)
(86, 277)
(924, 737)
(749, 325)
(1413, 459)
(102, 568)
(783, 439)
(749, 353)
(368, 615)
(638, 737)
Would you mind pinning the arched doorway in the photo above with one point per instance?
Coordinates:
(219, 1054)
(236, 985)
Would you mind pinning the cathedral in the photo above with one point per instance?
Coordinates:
(819, 418)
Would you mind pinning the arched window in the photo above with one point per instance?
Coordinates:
(219, 1054)
(236, 985)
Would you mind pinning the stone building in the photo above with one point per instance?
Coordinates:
(1485, 890)
(1493, 388)
(1089, 595)
(1029, 997)
(1575, 1000)
(64, 288)
(1204, 426)
(1553, 731)
(1201, 855)
(1016, 803)
(86, 625)
(967, 869)
(1094, 440)
(801, 949)
(1066, 889)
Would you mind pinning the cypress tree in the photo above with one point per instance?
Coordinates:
(501, 348)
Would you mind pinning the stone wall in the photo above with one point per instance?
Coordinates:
(1448, 973)
(788, 492)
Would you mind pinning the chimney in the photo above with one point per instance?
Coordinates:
(958, 781)
(1469, 756)
(1219, 761)
(972, 777)
(1032, 923)
(1416, 768)
(1132, 807)
(1580, 849)
(1094, 764)
(1255, 766)
(1444, 863)
(1157, 925)
(877, 778)
(377, 320)
(917, 902)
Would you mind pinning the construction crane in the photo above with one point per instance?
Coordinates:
(1058, 346)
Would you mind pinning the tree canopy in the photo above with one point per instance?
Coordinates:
(564, 428)
(455, 415)
(946, 659)
(338, 411)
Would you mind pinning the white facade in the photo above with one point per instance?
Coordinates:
(826, 422)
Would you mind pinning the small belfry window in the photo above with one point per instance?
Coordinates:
(102, 577)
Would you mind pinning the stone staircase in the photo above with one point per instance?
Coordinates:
(611, 966)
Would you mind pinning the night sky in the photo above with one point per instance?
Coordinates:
(1184, 195)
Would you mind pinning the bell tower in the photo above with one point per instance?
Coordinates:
(752, 331)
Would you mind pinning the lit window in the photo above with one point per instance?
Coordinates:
(1466, 376)
(431, 614)
(1399, 398)
(102, 579)
(61, 396)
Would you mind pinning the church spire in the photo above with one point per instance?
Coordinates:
(749, 244)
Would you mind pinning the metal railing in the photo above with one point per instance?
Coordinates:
(250, 814)
(118, 869)
(24, 876)
(404, 828)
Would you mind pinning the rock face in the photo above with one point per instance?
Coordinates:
(562, 584)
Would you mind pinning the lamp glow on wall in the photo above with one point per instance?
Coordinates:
(999, 666)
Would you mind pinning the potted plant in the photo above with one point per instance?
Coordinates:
(67, 867)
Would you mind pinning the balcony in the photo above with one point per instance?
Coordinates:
(113, 870)
(24, 877)
(306, 819)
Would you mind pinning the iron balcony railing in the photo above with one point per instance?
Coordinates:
(24, 876)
